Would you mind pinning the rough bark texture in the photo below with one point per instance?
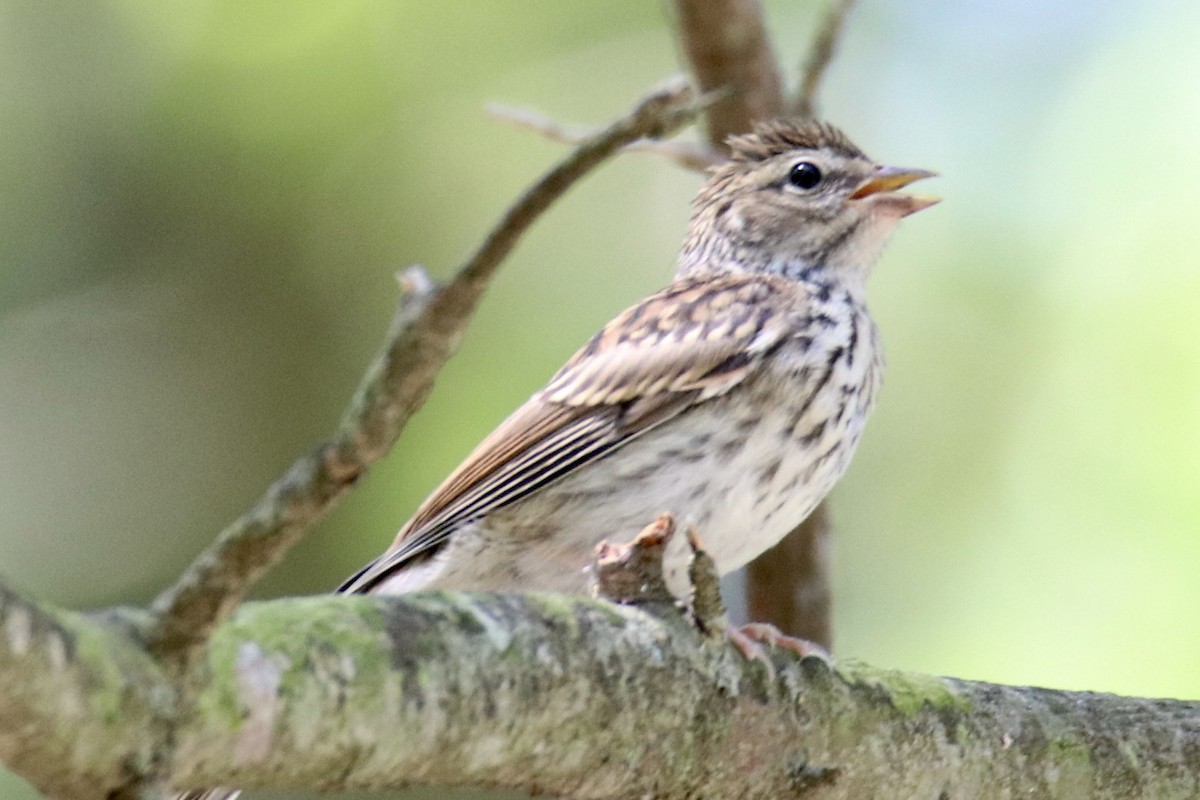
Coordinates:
(83, 710)
(548, 694)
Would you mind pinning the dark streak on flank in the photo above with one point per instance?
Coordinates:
(813, 435)
(853, 344)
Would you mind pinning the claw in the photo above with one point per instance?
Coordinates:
(750, 649)
(749, 640)
(773, 637)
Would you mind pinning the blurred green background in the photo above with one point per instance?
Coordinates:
(203, 202)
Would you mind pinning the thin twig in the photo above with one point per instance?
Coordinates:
(657, 115)
(820, 54)
(689, 155)
(727, 48)
(538, 123)
(425, 332)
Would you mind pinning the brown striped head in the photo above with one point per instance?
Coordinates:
(795, 195)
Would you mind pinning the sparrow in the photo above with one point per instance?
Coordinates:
(733, 399)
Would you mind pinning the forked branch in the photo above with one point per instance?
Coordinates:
(425, 332)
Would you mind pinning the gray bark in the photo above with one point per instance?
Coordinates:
(546, 694)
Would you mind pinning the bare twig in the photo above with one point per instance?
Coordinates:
(659, 114)
(820, 54)
(426, 331)
(539, 123)
(726, 44)
(689, 155)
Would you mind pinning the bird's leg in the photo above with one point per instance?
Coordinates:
(708, 612)
(632, 574)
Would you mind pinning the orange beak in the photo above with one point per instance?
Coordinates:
(887, 180)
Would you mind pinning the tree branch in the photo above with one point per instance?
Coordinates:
(545, 694)
(425, 332)
(727, 48)
(578, 697)
(83, 710)
(820, 55)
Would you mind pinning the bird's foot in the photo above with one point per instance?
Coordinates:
(750, 638)
(632, 574)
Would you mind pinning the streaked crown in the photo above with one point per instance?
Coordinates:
(781, 136)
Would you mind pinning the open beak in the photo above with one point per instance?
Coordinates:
(886, 180)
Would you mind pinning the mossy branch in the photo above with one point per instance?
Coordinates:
(85, 712)
(551, 695)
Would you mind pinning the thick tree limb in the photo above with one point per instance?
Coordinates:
(727, 48)
(550, 695)
(577, 697)
(425, 332)
(83, 711)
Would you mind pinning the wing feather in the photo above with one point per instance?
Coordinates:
(692, 341)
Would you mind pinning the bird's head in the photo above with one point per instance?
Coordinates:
(795, 195)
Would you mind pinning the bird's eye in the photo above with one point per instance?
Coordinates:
(804, 175)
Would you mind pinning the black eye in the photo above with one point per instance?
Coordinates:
(804, 175)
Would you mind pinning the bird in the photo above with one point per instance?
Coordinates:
(732, 399)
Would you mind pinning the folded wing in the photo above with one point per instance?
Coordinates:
(691, 342)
